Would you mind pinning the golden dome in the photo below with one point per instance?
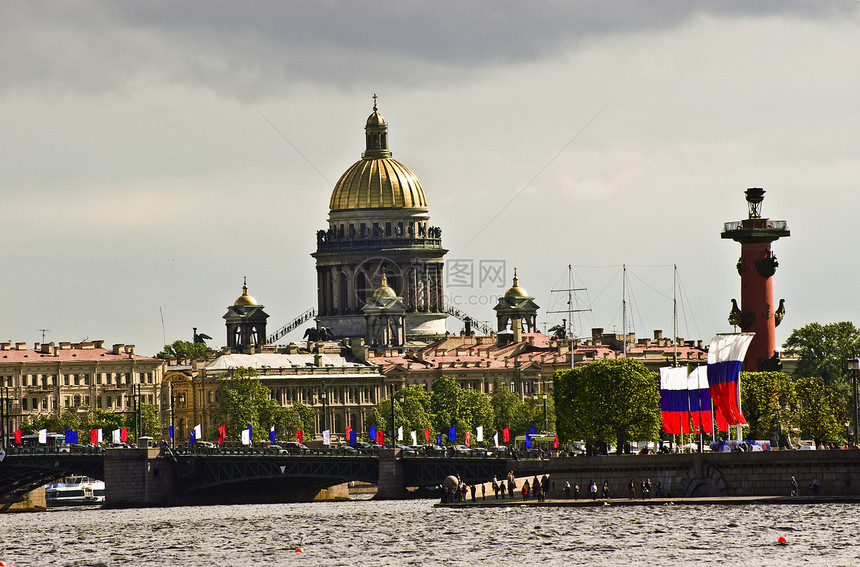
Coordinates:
(245, 299)
(377, 181)
(383, 290)
(373, 183)
(516, 290)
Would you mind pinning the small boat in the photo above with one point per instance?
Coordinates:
(75, 491)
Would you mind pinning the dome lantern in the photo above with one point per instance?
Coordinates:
(376, 135)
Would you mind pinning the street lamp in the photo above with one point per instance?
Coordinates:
(854, 367)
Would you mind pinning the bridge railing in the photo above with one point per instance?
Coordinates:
(82, 450)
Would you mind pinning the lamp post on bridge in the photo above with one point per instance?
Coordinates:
(854, 367)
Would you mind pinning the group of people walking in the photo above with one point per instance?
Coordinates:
(572, 491)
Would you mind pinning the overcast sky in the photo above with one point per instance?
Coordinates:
(152, 154)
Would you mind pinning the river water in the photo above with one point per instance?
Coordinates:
(369, 533)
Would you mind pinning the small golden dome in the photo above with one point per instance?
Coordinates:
(383, 290)
(245, 299)
(516, 290)
(375, 119)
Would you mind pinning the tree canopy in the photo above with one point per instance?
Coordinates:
(183, 349)
(243, 400)
(821, 411)
(822, 351)
(608, 401)
(767, 399)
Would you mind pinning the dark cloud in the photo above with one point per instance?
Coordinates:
(249, 50)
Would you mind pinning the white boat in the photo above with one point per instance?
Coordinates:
(76, 491)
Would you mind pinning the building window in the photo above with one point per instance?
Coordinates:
(109, 402)
(35, 403)
(77, 401)
(53, 403)
(76, 378)
(44, 403)
(87, 401)
(98, 378)
(65, 380)
(24, 404)
(67, 402)
(99, 402)
(86, 378)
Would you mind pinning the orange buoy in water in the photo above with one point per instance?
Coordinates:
(2, 564)
(782, 539)
(299, 550)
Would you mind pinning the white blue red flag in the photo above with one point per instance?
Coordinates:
(700, 400)
(246, 436)
(673, 400)
(272, 435)
(725, 358)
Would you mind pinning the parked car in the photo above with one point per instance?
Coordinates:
(296, 448)
(461, 450)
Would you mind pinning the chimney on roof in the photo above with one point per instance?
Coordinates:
(129, 349)
(117, 348)
(98, 344)
(20, 346)
(47, 348)
(5, 346)
(658, 335)
(699, 343)
(65, 345)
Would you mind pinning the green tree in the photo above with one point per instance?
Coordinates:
(609, 401)
(411, 411)
(821, 411)
(766, 402)
(243, 400)
(183, 349)
(451, 404)
(822, 351)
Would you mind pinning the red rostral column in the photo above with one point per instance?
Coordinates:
(756, 268)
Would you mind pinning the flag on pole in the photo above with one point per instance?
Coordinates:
(272, 435)
(452, 434)
(123, 434)
(95, 436)
(171, 432)
(506, 435)
(380, 437)
(427, 434)
(353, 438)
(480, 431)
(18, 436)
(327, 437)
(496, 439)
(372, 433)
(222, 433)
(196, 434)
(555, 442)
(115, 436)
(246, 436)
(300, 435)
(43, 436)
(725, 358)
(528, 440)
(75, 436)
(414, 435)
(69, 436)
(467, 438)
(348, 432)
(192, 437)
(438, 439)
(673, 400)
(700, 400)
(400, 433)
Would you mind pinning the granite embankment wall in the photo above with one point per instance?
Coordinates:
(764, 473)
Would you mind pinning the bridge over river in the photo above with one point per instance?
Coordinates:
(152, 477)
(147, 477)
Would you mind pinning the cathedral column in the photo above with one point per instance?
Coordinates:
(350, 289)
(440, 291)
(335, 290)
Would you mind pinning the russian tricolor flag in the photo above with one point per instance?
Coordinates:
(700, 400)
(673, 400)
(725, 358)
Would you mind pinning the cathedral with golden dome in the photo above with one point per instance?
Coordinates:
(379, 229)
